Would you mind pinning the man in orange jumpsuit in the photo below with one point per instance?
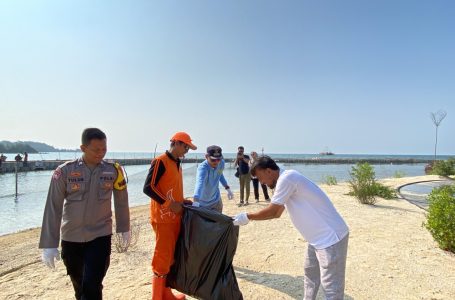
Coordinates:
(164, 185)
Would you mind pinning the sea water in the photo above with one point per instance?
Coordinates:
(26, 210)
(69, 155)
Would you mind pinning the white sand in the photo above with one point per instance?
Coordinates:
(390, 256)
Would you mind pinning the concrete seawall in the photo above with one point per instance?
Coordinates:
(10, 166)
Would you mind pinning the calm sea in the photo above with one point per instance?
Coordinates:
(26, 210)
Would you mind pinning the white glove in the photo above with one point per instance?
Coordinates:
(241, 219)
(195, 204)
(48, 257)
(230, 194)
(126, 238)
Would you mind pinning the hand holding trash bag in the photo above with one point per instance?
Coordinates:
(241, 219)
(187, 201)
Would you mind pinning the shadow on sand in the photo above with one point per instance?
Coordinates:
(290, 285)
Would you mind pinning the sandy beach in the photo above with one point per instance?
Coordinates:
(390, 256)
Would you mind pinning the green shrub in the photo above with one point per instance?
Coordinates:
(364, 186)
(384, 191)
(399, 174)
(444, 167)
(330, 180)
(362, 183)
(441, 217)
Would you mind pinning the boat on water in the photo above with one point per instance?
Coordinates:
(326, 152)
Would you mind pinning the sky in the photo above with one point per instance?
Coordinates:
(351, 77)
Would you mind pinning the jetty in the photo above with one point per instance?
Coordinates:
(11, 166)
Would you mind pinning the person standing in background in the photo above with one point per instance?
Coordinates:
(25, 164)
(255, 180)
(242, 161)
(164, 185)
(80, 193)
(208, 178)
(2, 159)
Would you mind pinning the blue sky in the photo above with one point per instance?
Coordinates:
(357, 77)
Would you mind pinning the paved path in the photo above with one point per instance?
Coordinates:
(417, 192)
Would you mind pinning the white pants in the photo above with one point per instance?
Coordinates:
(327, 267)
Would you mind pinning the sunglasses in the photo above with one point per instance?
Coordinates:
(215, 159)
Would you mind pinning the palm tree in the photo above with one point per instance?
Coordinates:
(437, 118)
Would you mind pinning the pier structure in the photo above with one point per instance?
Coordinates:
(10, 166)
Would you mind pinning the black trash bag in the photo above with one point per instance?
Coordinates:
(203, 256)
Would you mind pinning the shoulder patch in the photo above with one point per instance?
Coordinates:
(57, 174)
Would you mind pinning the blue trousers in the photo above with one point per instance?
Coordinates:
(87, 264)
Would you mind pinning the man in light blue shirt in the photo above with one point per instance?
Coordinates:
(209, 176)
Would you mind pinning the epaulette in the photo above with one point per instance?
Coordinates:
(108, 162)
(67, 163)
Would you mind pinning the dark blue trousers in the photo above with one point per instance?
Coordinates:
(87, 264)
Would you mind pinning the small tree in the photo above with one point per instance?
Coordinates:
(444, 167)
(437, 118)
(330, 180)
(364, 186)
(441, 217)
(363, 183)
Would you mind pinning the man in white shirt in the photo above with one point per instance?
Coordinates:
(315, 217)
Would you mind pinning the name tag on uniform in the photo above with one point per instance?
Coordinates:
(75, 179)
